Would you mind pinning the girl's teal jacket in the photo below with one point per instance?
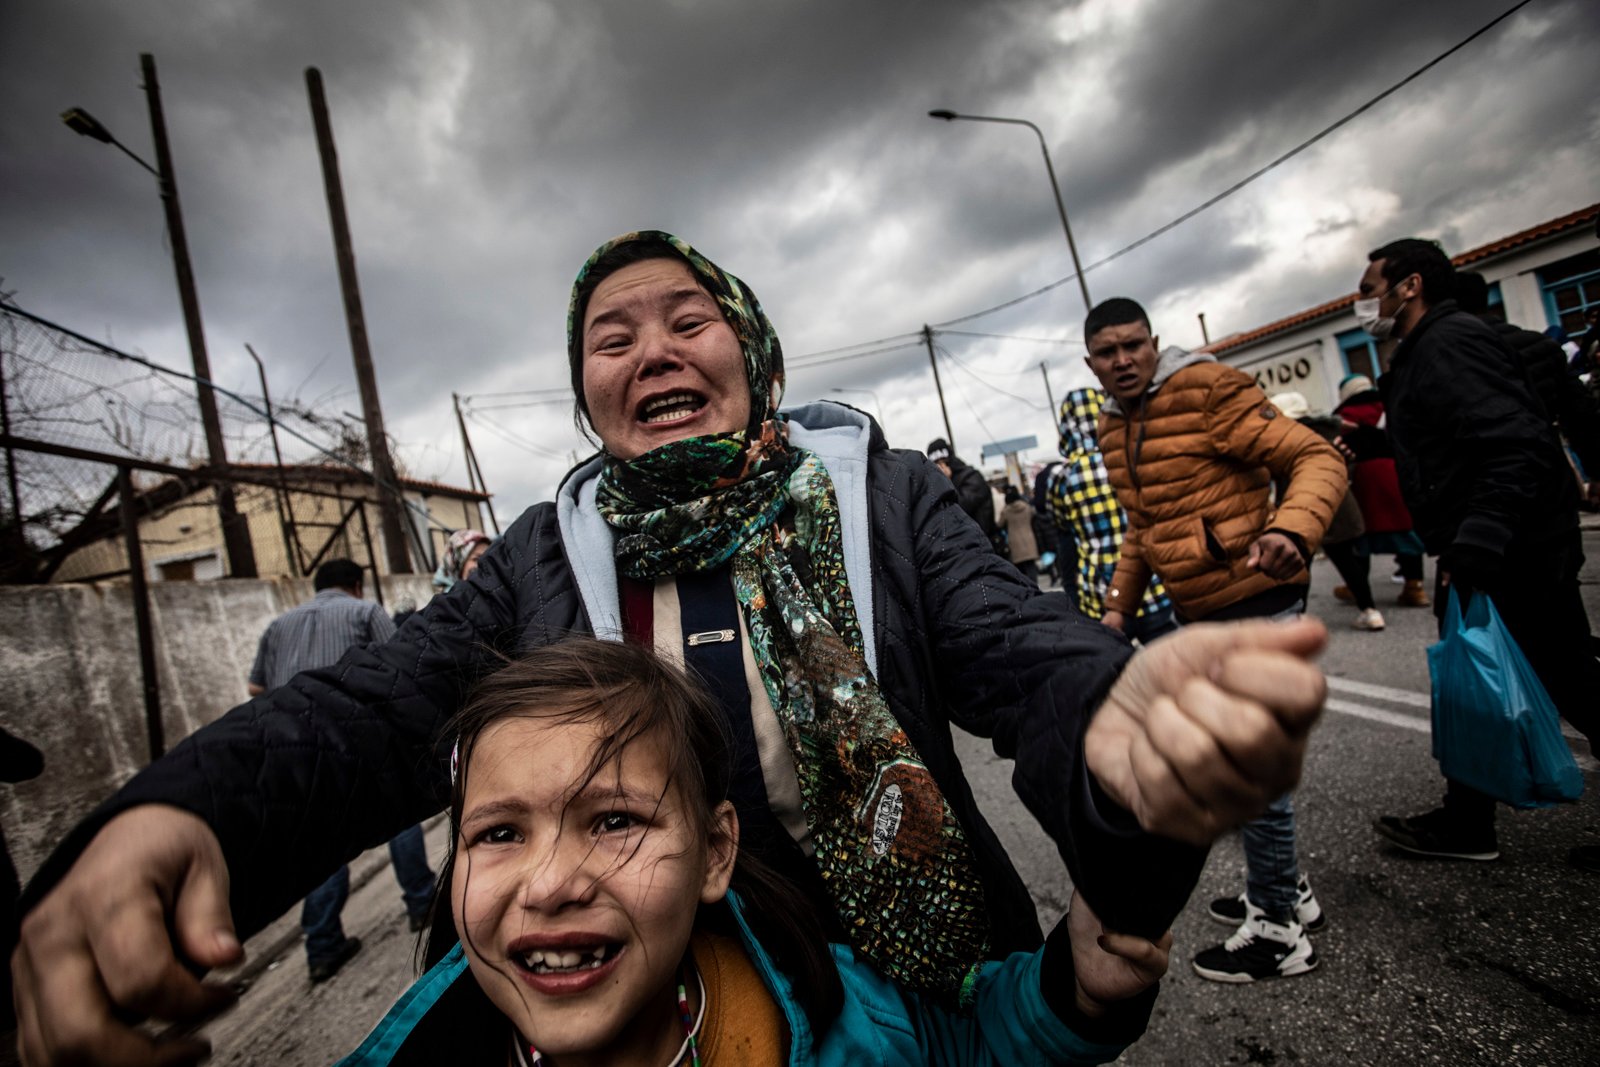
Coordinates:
(445, 1018)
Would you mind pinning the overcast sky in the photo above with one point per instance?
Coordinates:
(488, 147)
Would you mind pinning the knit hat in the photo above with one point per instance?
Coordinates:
(1353, 385)
(938, 449)
(1293, 405)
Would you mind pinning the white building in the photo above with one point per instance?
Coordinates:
(1546, 275)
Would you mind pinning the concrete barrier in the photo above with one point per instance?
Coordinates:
(70, 683)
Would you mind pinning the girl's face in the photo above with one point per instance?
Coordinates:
(575, 897)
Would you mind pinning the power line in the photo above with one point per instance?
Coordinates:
(914, 337)
(563, 400)
(916, 340)
(988, 384)
(565, 391)
(117, 353)
(1238, 185)
(1014, 337)
(511, 437)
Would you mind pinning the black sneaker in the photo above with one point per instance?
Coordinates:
(1259, 949)
(323, 970)
(1307, 912)
(1437, 834)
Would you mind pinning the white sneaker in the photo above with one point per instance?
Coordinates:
(1231, 911)
(1370, 619)
(1258, 949)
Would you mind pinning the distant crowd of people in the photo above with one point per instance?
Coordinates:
(691, 720)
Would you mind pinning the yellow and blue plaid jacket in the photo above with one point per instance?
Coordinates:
(1081, 498)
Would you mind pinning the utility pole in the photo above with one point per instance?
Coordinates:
(235, 527)
(145, 632)
(291, 539)
(1205, 335)
(474, 471)
(391, 521)
(1048, 395)
(949, 434)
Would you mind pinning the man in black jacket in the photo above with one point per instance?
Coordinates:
(1487, 484)
(1569, 405)
(971, 490)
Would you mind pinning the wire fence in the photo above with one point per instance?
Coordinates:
(75, 410)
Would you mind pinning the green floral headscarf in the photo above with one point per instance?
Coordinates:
(894, 858)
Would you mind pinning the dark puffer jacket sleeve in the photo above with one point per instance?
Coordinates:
(292, 794)
(1027, 670)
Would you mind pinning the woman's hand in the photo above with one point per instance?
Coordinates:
(1110, 966)
(98, 951)
(1208, 725)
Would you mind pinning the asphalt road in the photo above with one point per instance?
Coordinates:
(1422, 962)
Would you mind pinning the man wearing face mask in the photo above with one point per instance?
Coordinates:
(1486, 482)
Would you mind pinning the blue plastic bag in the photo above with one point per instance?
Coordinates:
(1494, 726)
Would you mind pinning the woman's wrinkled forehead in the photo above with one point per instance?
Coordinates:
(763, 356)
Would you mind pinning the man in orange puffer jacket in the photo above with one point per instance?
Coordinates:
(1192, 447)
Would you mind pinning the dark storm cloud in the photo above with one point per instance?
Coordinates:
(487, 148)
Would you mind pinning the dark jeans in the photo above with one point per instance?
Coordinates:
(319, 914)
(1350, 559)
(1067, 561)
(1029, 569)
(1542, 607)
(1151, 625)
(1272, 872)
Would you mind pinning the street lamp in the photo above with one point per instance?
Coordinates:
(1055, 188)
(235, 528)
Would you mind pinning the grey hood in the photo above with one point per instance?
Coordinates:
(1172, 360)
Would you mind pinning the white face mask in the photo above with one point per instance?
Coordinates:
(1379, 326)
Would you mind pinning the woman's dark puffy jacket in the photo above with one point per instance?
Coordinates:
(302, 779)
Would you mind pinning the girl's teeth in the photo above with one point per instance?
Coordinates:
(549, 961)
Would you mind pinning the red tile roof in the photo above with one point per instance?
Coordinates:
(1553, 228)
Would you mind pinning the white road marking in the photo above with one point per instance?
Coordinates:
(1422, 725)
(1392, 718)
(1380, 692)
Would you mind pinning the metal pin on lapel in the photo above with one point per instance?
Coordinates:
(710, 637)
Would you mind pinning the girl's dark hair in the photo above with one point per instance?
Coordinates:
(631, 692)
(624, 255)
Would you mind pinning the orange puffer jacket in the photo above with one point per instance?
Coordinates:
(1193, 467)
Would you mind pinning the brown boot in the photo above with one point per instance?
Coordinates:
(1414, 595)
(1342, 592)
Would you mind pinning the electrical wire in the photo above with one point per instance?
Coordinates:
(1014, 337)
(564, 390)
(916, 340)
(1241, 183)
(511, 436)
(105, 349)
(564, 400)
(913, 337)
(1035, 405)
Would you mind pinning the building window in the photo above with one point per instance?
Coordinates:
(1360, 352)
(179, 570)
(1567, 301)
(201, 566)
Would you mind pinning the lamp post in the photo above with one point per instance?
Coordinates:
(235, 527)
(1055, 187)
